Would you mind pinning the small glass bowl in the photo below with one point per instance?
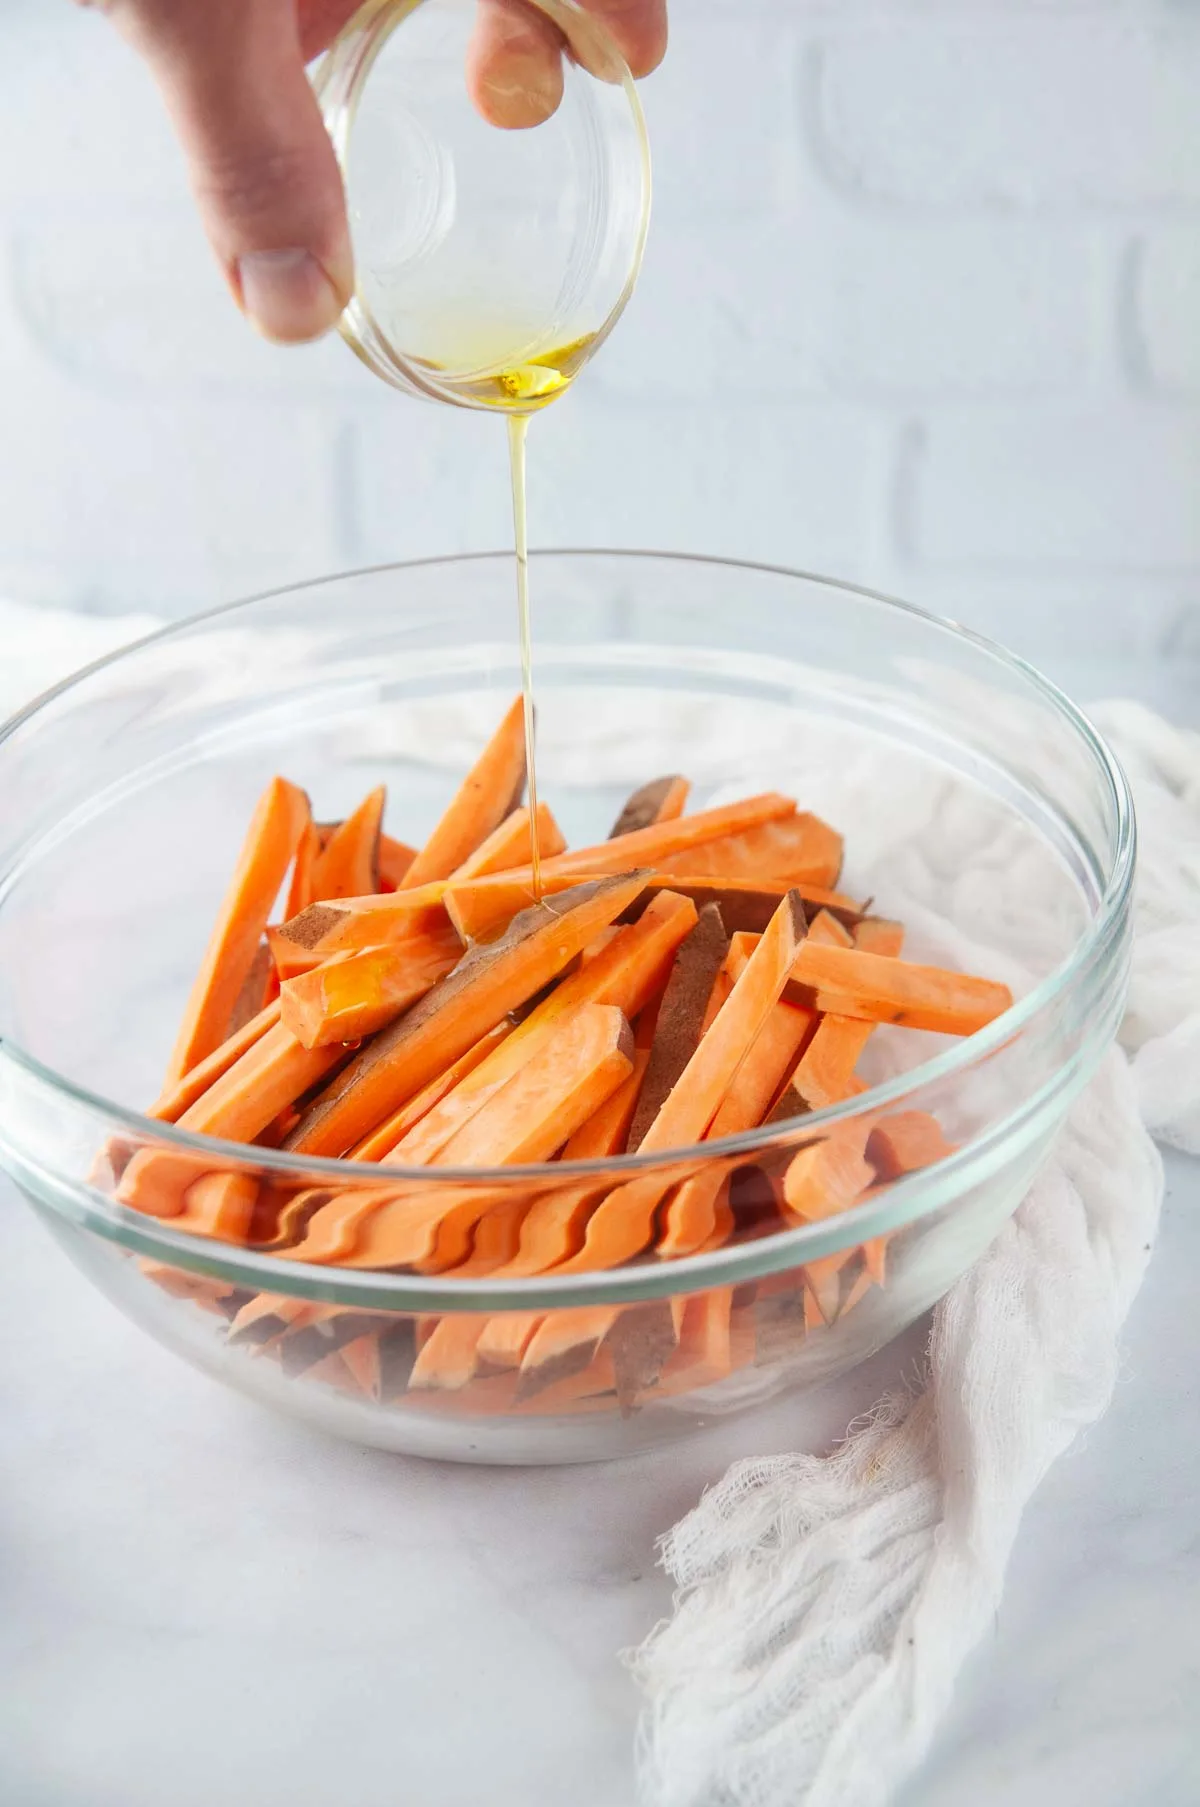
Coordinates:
(491, 264)
(977, 803)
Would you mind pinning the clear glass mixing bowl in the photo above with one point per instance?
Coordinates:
(977, 804)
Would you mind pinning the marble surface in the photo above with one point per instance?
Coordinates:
(199, 1601)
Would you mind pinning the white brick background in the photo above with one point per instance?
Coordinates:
(921, 307)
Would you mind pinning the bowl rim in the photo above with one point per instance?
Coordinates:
(1111, 911)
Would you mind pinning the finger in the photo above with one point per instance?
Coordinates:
(514, 64)
(262, 167)
(320, 21)
(638, 28)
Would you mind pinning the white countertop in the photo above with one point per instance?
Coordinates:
(201, 1602)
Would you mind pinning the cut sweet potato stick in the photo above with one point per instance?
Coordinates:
(680, 1017)
(448, 1357)
(382, 1140)
(823, 1284)
(274, 834)
(395, 858)
(625, 975)
(623, 1223)
(308, 852)
(272, 1073)
(564, 1343)
(497, 1237)
(662, 800)
(348, 864)
(508, 845)
(722, 986)
(827, 931)
(860, 1286)
(172, 1104)
(157, 1180)
(487, 983)
(798, 847)
(479, 908)
(828, 1177)
(692, 1212)
(527, 1120)
(506, 1337)
(905, 1142)
(650, 847)
(825, 1072)
(606, 1130)
(847, 982)
(220, 1205)
(490, 790)
(355, 995)
(770, 1059)
(259, 990)
(352, 923)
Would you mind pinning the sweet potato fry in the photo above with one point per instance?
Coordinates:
(605, 1131)
(829, 1176)
(879, 989)
(490, 790)
(260, 989)
(625, 975)
(680, 1017)
(273, 1072)
(662, 800)
(527, 1120)
(622, 1224)
(390, 1133)
(825, 1072)
(395, 858)
(348, 864)
(487, 983)
(797, 847)
(904, 1142)
(351, 923)
(173, 1102)
(220, 1205)
(272, 839)
(355, 995)
(508, 845)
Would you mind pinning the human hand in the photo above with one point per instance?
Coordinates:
(262, 168)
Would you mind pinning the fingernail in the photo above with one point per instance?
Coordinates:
(288, 295)
(521, 90)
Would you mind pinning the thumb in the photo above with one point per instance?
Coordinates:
(262, 167)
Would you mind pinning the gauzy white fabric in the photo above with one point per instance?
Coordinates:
(826, 1604)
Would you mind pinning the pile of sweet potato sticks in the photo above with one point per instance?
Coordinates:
(690, 978)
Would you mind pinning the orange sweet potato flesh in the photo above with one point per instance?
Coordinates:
(662, 800)
(308, 851)
(646, 847)
(486, 796)
(271, 841)
(395, 858)
(480, 907)
(348, 864)
(220, 1205)
(354, 996)
(623, 1223)
(487, 983)
(849, 982)
(605, 1131)
(824, 1074)
(271, 1074)
(827, 1177)
(543, 1103)
(625, 974)
(508, 845)
(351, 923)
(392, 1131)
(680, 1017)
(173, 1102)
(797, 847)
(905, 1142)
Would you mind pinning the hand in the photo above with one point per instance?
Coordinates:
(262, 168)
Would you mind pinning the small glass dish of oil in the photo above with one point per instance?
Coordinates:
(491, 263)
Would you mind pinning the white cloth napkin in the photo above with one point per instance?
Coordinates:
(825, 1605)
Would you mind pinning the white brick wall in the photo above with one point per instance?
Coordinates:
(922, 307)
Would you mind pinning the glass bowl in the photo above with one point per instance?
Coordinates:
(978, 805)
